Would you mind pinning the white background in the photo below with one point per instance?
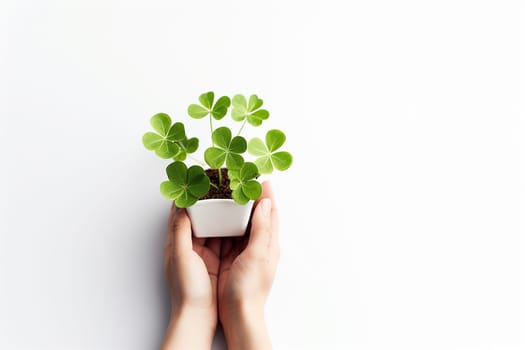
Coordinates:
(402, 226)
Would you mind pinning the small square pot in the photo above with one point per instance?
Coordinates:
(219, 218)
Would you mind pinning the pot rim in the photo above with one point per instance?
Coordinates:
(220, 200)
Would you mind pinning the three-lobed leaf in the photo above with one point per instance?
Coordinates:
(243, 183)
(186, 146)
(169, 141)
(163, 141)
(206, 107)
(226, 150)
(248, 110)
(267, 157)
(191, 145)
(185, 185)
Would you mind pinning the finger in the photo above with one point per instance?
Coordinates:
(261, 231)
(210, 259)
(274, 237)
(171, 219)
(226, 247)
(233, 251)
(267, 192)
(181, 232)
(215, 246)
(226, 262)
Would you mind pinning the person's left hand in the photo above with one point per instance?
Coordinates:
(191, 265)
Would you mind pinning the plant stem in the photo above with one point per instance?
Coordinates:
(191, 157)
(211, 130)
(214, 185)
(242, 126)
(220, 177)
(197, 161)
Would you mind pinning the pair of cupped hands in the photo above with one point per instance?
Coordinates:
(221, 279)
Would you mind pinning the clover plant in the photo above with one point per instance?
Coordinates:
(186, 185)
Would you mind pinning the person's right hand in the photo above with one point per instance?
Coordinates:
(246, 275)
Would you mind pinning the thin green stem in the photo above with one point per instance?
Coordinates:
(211, 130)
(242, 126)
(191, 157)
(197, 161)
(214, 185)
(220, 177)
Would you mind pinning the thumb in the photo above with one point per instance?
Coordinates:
(261, 232)
(181, 231)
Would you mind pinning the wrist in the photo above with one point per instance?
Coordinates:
(241, 312)
(245, 327)
(189, 313)
(190, 328)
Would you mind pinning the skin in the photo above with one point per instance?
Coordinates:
(226, 279)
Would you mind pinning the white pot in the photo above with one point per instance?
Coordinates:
(219, 218)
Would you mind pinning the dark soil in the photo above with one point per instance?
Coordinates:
(224, 190)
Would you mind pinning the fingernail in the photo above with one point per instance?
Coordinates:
(266, 206)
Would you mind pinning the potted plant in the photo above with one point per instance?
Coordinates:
(219, 199)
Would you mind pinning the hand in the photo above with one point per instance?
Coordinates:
(191, 265)
(246, 274)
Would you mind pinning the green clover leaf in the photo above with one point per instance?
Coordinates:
(248, 110)
(169, 141)
(243, 184)
(218, 111)
(185, 186)
(186, 145)
(226, 149)
(165, 142)
(268, 159)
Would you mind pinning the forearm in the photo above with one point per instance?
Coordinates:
(245, 329)
(189, 329)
